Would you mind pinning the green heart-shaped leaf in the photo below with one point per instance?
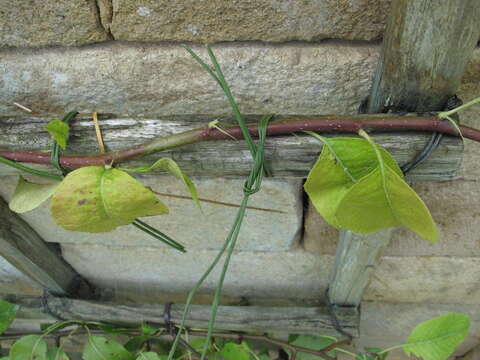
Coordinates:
(148, 356)
(381, 200)
(314, 343)
(232, 351)
(172, 167)
(342, 163)
(102, 348)
(8, 312)
(59, 131)
(30, 347)
(437, 339)
(94, 199)
(357, 185)
(57, 354)
(29, 196)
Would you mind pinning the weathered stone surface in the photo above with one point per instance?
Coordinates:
(388, 324)
(164, 79)
(219, 20)
(36, 23)
(147, 272)
(293, 274)
(454, 207)
(13, 281)
(426, 279)
(261, 231)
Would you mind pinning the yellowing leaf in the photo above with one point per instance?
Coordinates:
(379, 201)
(172, 167)
(342, 162)
(438, 338)
(95, 199)
(59, 130)
(29, 196)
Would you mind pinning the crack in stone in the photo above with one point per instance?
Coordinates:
(103, 10)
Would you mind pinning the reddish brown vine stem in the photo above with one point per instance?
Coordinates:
(327, 123)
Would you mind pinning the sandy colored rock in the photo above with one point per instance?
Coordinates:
(35, 23)
(164, 79)
(454, 208)
(261, 231)
(145, 271)
(272, 20)
(388, 324)
(292, 274)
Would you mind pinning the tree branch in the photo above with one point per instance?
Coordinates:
(327, 123)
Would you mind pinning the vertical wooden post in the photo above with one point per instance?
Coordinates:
(425, 50)
(21, 246)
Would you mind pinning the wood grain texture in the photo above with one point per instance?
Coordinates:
(426, 47)
(288, 156)
(355, 261)
(299, 320)
(21, 246)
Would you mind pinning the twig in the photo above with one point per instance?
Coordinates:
(98, 132)
(218, 202)
(328, 123)
(22, 107)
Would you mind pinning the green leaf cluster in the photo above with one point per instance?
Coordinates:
(357, 185)
(435, 339)
(313, 343)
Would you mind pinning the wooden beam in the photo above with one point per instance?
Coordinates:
(287, 156)
(22, 247)
(298, 320)
(425, 50)
(426, 47)
(356, 259)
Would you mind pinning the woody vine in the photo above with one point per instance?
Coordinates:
(355, 183)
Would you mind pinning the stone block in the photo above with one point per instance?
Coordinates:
(454, 207)
(150, 272)
(387, 324)
(294, 274)
(163, 79)
(218, 20)
(37, 23)
(426, 279)
(206, 229)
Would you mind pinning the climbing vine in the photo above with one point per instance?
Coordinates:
(355, 184)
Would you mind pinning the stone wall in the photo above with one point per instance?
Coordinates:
(280, 56)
